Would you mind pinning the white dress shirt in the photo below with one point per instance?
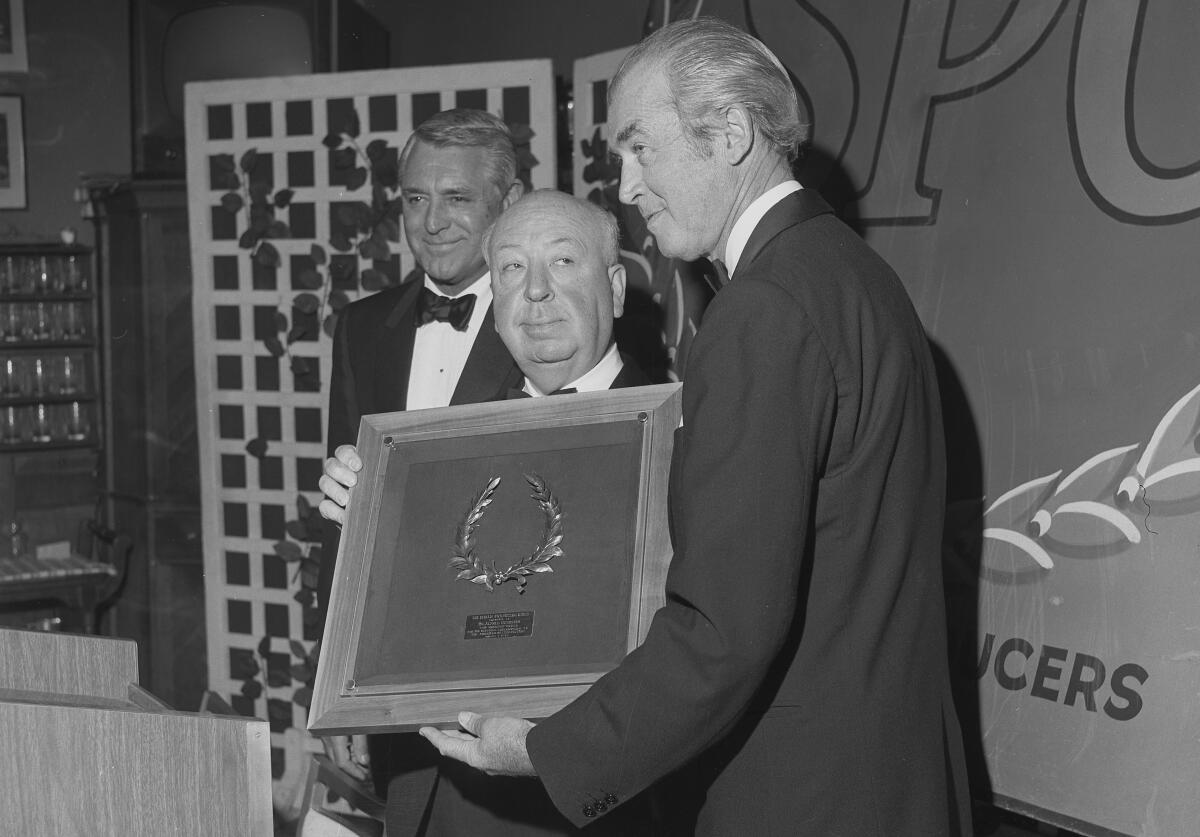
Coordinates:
(748, 220)
(440, 352)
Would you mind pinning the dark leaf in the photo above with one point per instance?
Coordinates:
(353, 127)
(387, 173)
(376, 149)
(248, 239)
(312, 617)
(301, 367)
(264, 646)
(298, 649)
(356, 179)
(344, 160)
(288, 550)
(300, 671)
(278, 229)
(252, 689)
(277, 680)
(267, 255)
(342, 270)
(394, 209)
(332, 141)
(257, 447)
(310, 572)
(296, 529)
(306, 302)
(274, 346)
(280, 320)
(330, 325)
(521, 134)
(306, 598)
(249, 158)
(232, 202)
(259, 192)
(310, 279)
(338, 300)
(303, 507)
(373, 280)
(303, 697)
(283, 197)
(341, 242)
(223, 163)
(389, 229)
(298, 332)
(317, 254)
(374, 248)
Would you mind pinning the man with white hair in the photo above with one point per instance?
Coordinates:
(796, 680)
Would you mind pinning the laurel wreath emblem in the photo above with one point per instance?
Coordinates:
(471, 566)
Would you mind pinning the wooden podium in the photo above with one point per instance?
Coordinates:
(89, 752)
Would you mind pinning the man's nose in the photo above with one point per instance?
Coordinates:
(537, 284)
(437, 217)
(631, 182)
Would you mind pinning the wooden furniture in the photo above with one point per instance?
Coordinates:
(90, 752)
(152, 472)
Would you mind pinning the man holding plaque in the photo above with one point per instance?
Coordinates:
(557, 284)
(796, 681)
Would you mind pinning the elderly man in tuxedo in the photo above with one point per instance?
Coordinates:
(796, 681)
(557, 284)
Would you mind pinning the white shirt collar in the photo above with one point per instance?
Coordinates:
(599, 377)
(748, 220)
(481, 287)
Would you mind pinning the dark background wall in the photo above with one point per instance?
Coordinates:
(76, 107)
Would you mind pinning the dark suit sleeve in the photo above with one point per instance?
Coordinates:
(758, 411)
(344, 416)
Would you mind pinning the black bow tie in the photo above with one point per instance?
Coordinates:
(433, 306)
(520, 393)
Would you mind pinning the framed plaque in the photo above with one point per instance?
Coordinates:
(496, 557)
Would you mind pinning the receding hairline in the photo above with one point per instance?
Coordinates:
(597, 221)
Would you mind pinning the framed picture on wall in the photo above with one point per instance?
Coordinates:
(12, 153)
(13, 57)
(496, 557)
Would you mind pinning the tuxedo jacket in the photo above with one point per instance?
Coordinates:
(796, 681)
(372, 358)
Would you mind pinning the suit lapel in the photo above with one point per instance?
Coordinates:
(793, 209)
(489, 371)
(395, 350)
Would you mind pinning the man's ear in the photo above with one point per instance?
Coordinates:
(513, 194)
(737, 134)
(616, 278)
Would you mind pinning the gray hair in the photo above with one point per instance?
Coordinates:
(710, 66)
(607, 230)
(474, 129)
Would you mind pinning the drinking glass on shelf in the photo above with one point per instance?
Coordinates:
(43, 281)
(10, 425)
(74, 273)
(10, 278)
(41, 424)
(12, 322)
(10, 377)
(39, 323)
(73, 321)
(69, 374)
(78, 426)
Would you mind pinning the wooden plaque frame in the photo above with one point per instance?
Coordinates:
(394, 597)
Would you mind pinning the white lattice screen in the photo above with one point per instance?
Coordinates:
(247, 396)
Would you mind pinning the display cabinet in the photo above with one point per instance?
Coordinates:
(49, 351)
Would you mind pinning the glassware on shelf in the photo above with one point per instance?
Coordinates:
(10, 278)
(18, 539)
(12, 322)
(78, 426)
(41, 424)
(11, 432)
(11, 377)
(74, 273)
